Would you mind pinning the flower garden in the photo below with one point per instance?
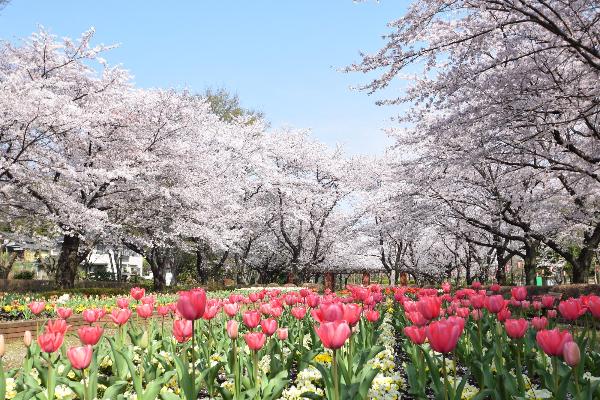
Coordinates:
(365, 342)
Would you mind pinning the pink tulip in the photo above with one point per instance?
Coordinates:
(268, 326)
(145, 310)
(57, 326)
(191, 304)
(352, 313)
(231, 309)
(282, 333)
(298, 312)
(123, 302)
(255, 340)
(64, 312)
(429, 306)
(232, 328)
(182, 330)
(571, 354)
(90, 315)
(90, 334)
(539, 323)
(80, 357)
(553, 341)
(37, 307)
(571, 309)
(519, 293)
(163, 310)
(516, 328)
(251, 318)
(416, 334)
(333, 335)
(120, 316)
(50, 342)
(137, 293)
(372, 315)
(443, 335)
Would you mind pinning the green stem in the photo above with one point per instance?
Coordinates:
(236, 374)
(51, 379)
(334, 370)
(445, 376)
(519, 370)
(86, 395)
(555, 374)
(193, 357)
(255, 369)
(350, 364)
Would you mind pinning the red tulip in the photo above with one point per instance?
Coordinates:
(333, 335)
(182, 330)
(231, 309)
(90, 315)
(476, 314)
(504, 314)
(282, 333)
(416, 334)
(446, 287)
(476, 285)
(352, 313)
(495, 288)
(64, 312)
(571, 309)
(372, 315)
(539, 323)
(571, 354)
(551, 313)
(537, 305)
(255, 340)
(90, 334)
(553, 341)
(429, 306)
(462, 312)
(57, 326)
(137, 293)
(298, 312)
(191, 304)
(163, 310)
(494, 303)
(477, 301)
(443, 335)
(516, 328)
(37, 307)
(50, 342)
(593, 305)
(268, 326)
(120, 316)
(416, 318)
(80, 357)
(123, 302)
(519, 293)
(548, 301)
(312, 300)
(148, 300)
(232, 328)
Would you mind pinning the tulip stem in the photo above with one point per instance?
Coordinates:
(555, 374)
(193, 357)
(445, 376)
(255, 369)
(85, 386)
(236, 375)
(519, 371)
(350, 364)
(334, 370)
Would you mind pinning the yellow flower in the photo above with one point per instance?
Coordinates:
(323, 358)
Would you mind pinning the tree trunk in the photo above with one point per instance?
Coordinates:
(582, 265)
(200, 270)
(530, 261)
(158, 264)
(68, 262)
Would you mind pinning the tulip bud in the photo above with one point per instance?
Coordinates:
(2, 346)
(144, 340)
(232, 328)
(571, 353)
(27, 338)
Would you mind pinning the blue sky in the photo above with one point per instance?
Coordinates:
(281, 57)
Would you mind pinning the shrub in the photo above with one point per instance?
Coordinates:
(24, 274)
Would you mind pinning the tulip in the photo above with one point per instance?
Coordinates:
(312, 300)
(547, 301)
(90, 315)
(37, 307)
(539, 323)
(145, 310)
(50, 342)
(476, 285)
(443, 335)
(148, 300)
(123, 302)
(571, 309)
(80, 357)
(372, 315)
(90, 334)
(210, 312)
(352, 313)
(519, 293)
(298, 312)
(429, 306)
(268, 326)
(251, 318)
(182, 330)
(462, 312)
(552, 342)
(476, 314)
(163, 311)
(477, 301)
(504, 314)
(416, 318)
(329, 312)
(64, 312)
(282, 333)
(516, 328)
(232, 328)
(191, 304)
(333, 335)
(255, 340)
(57, 326)
(120, 316)
(593, 305)
(446, 287)
(231, 309)
(495, 303)
(551, 313)
(27, 339)
(495, 288)
(571, 354)
(137, 293)
(416, 334)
